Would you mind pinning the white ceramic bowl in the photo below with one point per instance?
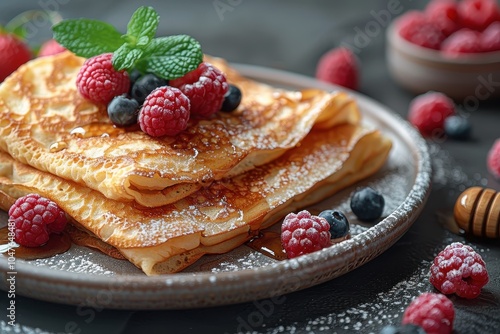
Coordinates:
(468, 78)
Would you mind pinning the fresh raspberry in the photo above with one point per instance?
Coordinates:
(462, 41)
(459, 269)
(34, 218)
(427, 112)
(478, 14)
(493, 160)
(490, 38)
(50, 47)
(444, 14)
(415, 27)
(339, 66)
(205, 88)
(99, 82)
(303, 233)
(165, 112)
(431, 311)
(13, 53)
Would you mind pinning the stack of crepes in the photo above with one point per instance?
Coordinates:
(165, 202)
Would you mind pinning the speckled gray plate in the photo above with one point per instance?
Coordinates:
(84, 277)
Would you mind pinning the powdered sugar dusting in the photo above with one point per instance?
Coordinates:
(17, 328)
(367, 317)
(83, 260)
(239, 259)
(448, 173)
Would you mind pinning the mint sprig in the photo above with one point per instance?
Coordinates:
(142, 26)
(87, 38)
(126, 56)
(171, 57)
(168, 57)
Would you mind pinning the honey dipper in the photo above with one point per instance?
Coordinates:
(477, 211)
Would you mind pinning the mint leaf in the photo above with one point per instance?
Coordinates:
(171, 57)
(168, 57)
(87, 38)
(142, 26)
(126, 57)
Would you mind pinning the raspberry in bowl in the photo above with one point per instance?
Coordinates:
(443, 48)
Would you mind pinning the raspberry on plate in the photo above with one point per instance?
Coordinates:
(415, 27)
(493, 159)
(205, 88)
(165, 112)
(443, 13)
(459, 269)
(339, 66)
(99, 82)
(462, 41)
(34, 218)
(478, 14)
(13, 53)
(427, 112)
(303, 233)
(433, 312)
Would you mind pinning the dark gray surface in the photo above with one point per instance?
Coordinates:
(292, 35)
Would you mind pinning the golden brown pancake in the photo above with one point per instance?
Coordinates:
(216, 218)
(45, 123)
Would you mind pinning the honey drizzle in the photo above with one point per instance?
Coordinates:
(269, 244)
(57, 244)
(96, 130)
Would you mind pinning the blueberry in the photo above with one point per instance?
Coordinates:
(457, 127)
(134, 75)
(367, 204)
(339, 225)
(145, 85)
(232, 99)
(123, 111)
(402, 329)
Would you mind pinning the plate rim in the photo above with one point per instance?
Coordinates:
(155, 292)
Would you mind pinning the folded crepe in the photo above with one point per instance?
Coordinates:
(216, 218)
(164, 202)
(45, 123)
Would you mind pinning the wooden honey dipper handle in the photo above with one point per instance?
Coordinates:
(477, 211)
